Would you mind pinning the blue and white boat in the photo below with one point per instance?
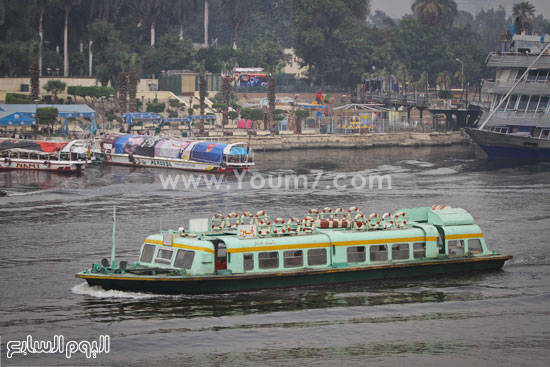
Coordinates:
(517, 126)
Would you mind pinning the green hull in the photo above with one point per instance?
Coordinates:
(258, 281)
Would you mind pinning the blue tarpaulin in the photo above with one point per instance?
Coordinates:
(208, 152)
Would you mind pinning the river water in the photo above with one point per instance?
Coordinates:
(53, 226)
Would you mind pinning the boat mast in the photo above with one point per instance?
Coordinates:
(114, 235)
(513, 87)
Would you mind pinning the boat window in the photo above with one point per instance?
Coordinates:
(317, 256)
(164, 257)
(543, 104)
(400, 251)
(474, 246)
(184, 259)
(356, 254)
(268, 260)
(147, 253)
(545, 134)
(456, 247)
(248, 261)
(293, 259)
(419, 250)
(533, 103)
(222, 250)
(378, 253)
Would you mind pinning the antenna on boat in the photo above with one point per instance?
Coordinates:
(514, 87)
(114, 235)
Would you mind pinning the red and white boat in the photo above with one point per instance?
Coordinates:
(66, 157)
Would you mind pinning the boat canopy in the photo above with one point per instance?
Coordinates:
(151, 146)
(31, 145)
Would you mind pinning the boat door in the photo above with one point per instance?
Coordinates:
(441, 240)
(220, 258)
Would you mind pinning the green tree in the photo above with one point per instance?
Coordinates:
(55, 87)
(170, 53)
(47, 116)
(321, 31)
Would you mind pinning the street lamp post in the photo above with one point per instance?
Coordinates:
(462, 73)
(103, 115)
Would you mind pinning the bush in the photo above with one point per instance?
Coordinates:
(93, 91)
(156, 107)
(17, 98)
(173, 103)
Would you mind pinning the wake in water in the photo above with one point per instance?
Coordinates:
(98, 292)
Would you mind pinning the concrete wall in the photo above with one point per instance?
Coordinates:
(349, 141)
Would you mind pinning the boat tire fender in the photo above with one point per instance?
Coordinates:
(373, 221)
(223, 165)
(131, 158)
(400, 219)
(7, 161)
(264, 228)
(47, 164)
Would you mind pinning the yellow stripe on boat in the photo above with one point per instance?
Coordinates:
(463, 236)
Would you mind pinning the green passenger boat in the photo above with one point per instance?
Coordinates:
(230, 253)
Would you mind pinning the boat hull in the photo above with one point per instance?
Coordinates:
(140, 161)
(511, 147)
(42, 165)
(254, 282)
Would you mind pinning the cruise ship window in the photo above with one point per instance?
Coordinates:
(543, 105)
(356, 254)
(456, 247)
(533, 103)
(400, 251)
(378, 253)
(474, 246)
(543, 76)
(293, 259)
(268, 260)
(317, 256)
(523, 101)
(532, 76)
(512, 101)
(520, 73)
(147, 253)
(164, 257)
(184, 259)
(248, 261)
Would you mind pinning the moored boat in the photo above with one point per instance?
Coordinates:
(517, 126)
(249, 252)
(152, 151)
(63, 157)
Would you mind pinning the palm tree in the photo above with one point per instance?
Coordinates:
(206, 23)
(202, 97)
(42, 6)
(99, 9)
(237, 13)
(436, 13)
(2, 12)
(149, 11)
(67, 6)
(523, 13)
(183, 9)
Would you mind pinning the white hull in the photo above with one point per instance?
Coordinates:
(157, 162)
(42, 165)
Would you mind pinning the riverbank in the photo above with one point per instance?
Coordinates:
(352, 141)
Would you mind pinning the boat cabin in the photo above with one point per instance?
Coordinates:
(422, 234)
